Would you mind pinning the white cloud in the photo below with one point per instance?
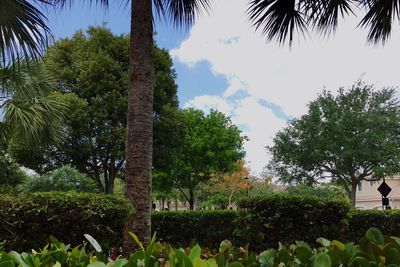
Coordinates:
(289, 78)
(207, 102)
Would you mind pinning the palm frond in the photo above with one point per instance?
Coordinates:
(31, 111)
(379, 19)
(325, 14)
(279, 19)
(181, 12)
(23, 30)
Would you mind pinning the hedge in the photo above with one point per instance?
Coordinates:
(180, 228)
(265, 221)
(27, 221)
(360, 220)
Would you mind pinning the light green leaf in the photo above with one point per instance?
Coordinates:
(140, 244)
(324, 242)
(96, 264)
(93, 242)
(322, 260)
(195, 252)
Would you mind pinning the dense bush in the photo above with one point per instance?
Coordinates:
(27, 221)
(263, 222)
(361, 220)
(180, 228)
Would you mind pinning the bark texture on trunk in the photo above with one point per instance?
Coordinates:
(140, 124)
(353, 193)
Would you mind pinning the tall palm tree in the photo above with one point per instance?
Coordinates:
(279, 19)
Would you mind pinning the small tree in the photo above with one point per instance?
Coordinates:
(350, 137)
(211, 144)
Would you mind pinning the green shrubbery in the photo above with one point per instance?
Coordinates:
(263, 222)
(373, 250)
(27, 221)
(361, 220)
(205, 227)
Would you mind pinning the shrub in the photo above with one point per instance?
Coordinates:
(263, 222)
(179, 228)
(27, 221)
(361, 220)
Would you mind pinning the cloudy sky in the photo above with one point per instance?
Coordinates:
(222, 63)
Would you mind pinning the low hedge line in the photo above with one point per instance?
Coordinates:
(265, 221)
(208, 228)
(27, 221)
(360, 220)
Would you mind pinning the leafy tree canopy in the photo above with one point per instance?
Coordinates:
(349, 137)
(211, 145)
(93, 65)
(65, 178)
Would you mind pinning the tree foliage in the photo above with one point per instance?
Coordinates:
(211, 145)
(65, 178)
(94, 66)
(349, 137)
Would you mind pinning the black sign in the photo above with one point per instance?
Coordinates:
(385, 201)
(384, 189)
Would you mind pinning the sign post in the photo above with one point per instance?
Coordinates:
(384, 189)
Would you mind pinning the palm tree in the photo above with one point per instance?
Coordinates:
(278, 19)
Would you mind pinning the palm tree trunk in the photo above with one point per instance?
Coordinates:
(140, 125)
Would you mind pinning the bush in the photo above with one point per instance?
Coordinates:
(27, 221)
(263, 222)
(179, 228)
(361, 220)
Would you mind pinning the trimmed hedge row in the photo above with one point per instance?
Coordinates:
(360, 220)
(265, 221)
(208, 228)
(26, 222)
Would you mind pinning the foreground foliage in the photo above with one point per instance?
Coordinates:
(372, 250)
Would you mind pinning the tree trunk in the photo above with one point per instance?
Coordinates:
(191, 199)
(352, 194)
(139, 144)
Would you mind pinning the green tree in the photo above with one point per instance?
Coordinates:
(350, 137)
(11, 174)
(65, 178)
(211, 145)
(94, 66)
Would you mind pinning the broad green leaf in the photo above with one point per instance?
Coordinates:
(57, 264)
(373, 234)
(211, 263)
(18, 259)
(322, 260)
(93, 242)
(392, 255)
(197, 262)
(120, 262)
(195, 252)
(303, 254)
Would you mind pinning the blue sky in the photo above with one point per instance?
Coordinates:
(222, 63)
